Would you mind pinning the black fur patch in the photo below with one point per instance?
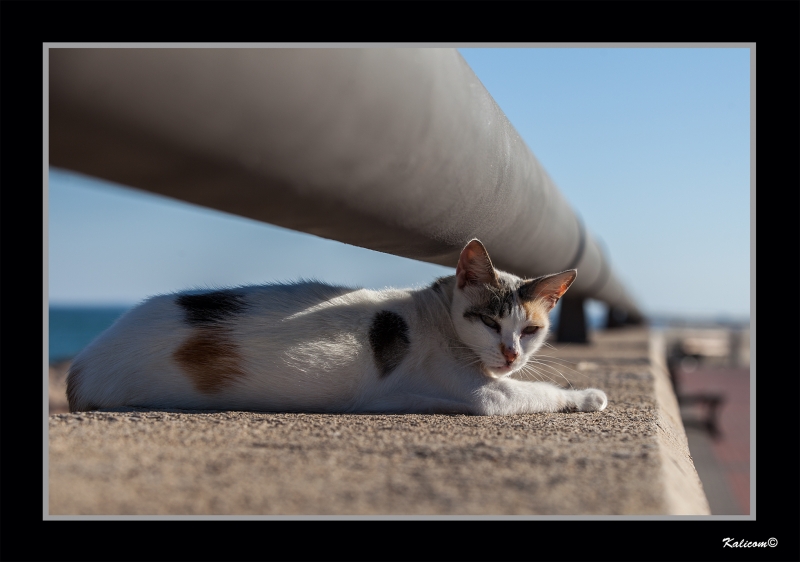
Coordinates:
(474, 313)
(388, 338)
(527, 290)
(210, 308)
(497, 303)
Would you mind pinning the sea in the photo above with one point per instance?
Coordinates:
(74, 327)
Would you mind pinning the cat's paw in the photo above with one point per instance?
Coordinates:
(592, 400)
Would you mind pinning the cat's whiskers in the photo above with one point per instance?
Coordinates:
(554, 360)
(564, 363)
(527, 369)
(543, 374)
(555, 357)
(561, 361)
(477, 361)
(565, 345)
(556, 370)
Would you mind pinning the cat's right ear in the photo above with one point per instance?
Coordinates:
(474, 266)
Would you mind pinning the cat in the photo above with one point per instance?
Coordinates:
(312, 347)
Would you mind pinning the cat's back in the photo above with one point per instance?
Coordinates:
(222, 348)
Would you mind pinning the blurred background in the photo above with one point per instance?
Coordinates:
(651, 146)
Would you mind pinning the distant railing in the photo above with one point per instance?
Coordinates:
(397, 150)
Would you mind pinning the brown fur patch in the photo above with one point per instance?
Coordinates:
(537, 311)
(210, 359)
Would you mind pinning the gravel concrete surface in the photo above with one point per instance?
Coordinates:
(618, 461)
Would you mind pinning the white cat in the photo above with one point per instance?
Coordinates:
(312, 347)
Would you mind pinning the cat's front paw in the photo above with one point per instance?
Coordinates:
(592, 400)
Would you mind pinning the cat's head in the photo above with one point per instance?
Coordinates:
(504, 319)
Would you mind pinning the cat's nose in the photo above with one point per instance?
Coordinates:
(509, 354)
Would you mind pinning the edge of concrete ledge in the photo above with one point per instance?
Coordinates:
(683, 490)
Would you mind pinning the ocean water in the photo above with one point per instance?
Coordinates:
(73, 327)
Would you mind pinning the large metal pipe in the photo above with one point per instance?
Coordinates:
(397, 150)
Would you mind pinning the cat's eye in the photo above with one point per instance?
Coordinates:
(491, 323)
(529, 330)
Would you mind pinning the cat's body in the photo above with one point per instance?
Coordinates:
(312, 347)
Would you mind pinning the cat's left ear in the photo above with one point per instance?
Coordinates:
(474, 266)
(550, 288)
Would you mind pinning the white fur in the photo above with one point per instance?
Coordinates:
(305, 347)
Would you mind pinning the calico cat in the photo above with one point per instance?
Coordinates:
(313, 347)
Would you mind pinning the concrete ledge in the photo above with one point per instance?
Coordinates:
(683, 490)
(631, 459)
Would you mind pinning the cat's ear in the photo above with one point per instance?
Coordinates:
(549, 288)
(474, 266)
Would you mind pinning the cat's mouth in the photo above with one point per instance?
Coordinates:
(497, 372)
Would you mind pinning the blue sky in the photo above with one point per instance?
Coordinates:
(650, 146)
